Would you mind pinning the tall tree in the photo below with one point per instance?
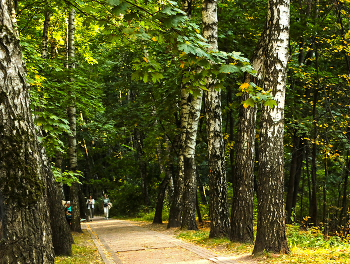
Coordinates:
(62, 238)
(72, 139)
(271, 233)
(184, 200)
(191, 112)
(218, 206)
(25, 233)
(243, 175)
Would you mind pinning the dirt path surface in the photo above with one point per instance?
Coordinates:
(126, 242)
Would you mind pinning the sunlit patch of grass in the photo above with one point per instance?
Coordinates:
(84, 251)
(310, 247)
(201, 238)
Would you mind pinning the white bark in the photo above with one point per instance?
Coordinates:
(25, 233)
(220, 221)
(271, 233)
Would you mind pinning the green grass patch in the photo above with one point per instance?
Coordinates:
(84, 251)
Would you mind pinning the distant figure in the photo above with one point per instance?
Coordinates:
(105, 206)
(68, 210)
(91, 205)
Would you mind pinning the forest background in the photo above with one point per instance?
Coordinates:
(126, 85)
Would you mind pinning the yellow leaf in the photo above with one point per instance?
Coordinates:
(182, 64)
(244, 86)
(245, 105)
(145, 59)
(154, 39)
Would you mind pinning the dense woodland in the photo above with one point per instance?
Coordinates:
(178, 108)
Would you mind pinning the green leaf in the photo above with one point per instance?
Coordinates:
(248, 102)
(113, 2)
(270, 103)
(156, 77)
(228, 68)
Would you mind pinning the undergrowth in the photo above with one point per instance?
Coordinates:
(84, 251)
(309, 246)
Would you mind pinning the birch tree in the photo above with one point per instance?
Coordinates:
(184, 201)
(219, 215)
(25, 234)
(191, 109)
(72, 139)
(271, 232)
(243, 175)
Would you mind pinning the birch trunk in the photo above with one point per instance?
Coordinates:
(271, 230)
(190, 114)
(218, 207)
(72, 139)
(243, 175)
(25, 234)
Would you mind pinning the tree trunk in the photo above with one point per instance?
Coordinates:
(176, 204)
(72, 139)
(191, 114)
(62, 238)
(201, 189)
(294, 176)
(302, 198)
(190, 193)
(313, 205)
(161, 189)
(300, 158)
(25, 234)
(271, 229)
(138, 138)
(342, 217)
(243, 175)
(218, 206)
(308, 177)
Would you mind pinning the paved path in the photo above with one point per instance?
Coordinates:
(123, 242)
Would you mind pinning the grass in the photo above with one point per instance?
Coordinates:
(306, 247)
(84, 251)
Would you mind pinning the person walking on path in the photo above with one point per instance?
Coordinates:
(90, 205)
(106, 203)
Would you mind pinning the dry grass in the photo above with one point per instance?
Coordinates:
(84, 251)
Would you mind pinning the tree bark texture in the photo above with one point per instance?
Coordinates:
(243, 174)
(218, 206)
(161, 189)
(176, 204)
(342, 216)
(243, 178)
(62, 238)
(190, 113)
(271, 230)
(294, 176)
(25, 234)
(72, 139)
(138, 142)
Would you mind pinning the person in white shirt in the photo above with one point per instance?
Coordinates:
(90, 205)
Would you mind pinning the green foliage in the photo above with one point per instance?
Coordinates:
(311, 238)
(66, 177)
